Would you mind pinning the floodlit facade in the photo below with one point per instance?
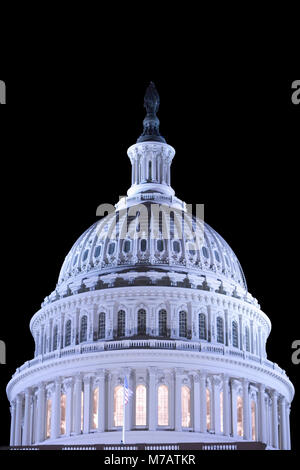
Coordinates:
(153, 293)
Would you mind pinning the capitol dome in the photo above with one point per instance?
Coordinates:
(150, 295)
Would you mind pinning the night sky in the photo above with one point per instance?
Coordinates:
(237, 149)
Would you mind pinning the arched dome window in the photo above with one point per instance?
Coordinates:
(220, 330)
(121, 323)
(83, 329)
(68, 333)
(160, 245)
(240, 416)
(111, 248)
(163, 405)
(101, 325)
(141, 326)
(54, 347)
(97, 251)
(162, 323)
(176, 246)
(143, 245)
(217, 256)
(118, 406)
(127, 246)
(183, 324)
(247, 338)
(235, 336)
(202, 326)
(205, 252)
(208, 409)
(141, 405)
(185, 406)
(253, 420)
(85, 255)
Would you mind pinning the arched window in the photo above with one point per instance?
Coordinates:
(95, 408)
(68, 333)
(63, 399)
(208, 410)
(182, 324)
(83, 329)
(121, 323)
(163, 405)
(55, 338)
(162, 323)
(48, 417)
(202, 326)
(143, 245)
(235, 337)
(141, 326)
(240, 416)
(141, 406)
(220, 330)
(101, 326)
(253, 420)
(118, 406)
(247, 337)
(150, 171)
(185, 407)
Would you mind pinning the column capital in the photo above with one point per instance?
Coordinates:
(68, 382)
(28, 392)
(19, 398)
(87, 378)
(275, 394)
(179, 370)
(152, 370)
(101, 373)
(262, 388)
(216, 380)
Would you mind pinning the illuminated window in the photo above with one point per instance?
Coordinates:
(55, 338)
(235, 337)
(95, 408)
(121, 323)
(183, 324)
(162, 323)
(118, 405)
(141, 327)
(68, 333)
(163, 405)
(221, 412)
(202, 326)
(240, 416)
(63, 414)
(48, 417)
(247, 336)
(220, 330)
(253, 420)
(141, 406)
(83, 329)
(101, 326)
(208, 412)
(185, 406)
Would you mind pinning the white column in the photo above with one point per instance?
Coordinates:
(246, 410)
(41, 413)
(196, 407)
(226, 406)
(288, 409)
(69, 407)
(241, 343)
(203, 426)
(216, 404)
(177, 401)
(12, 423)
(26, 428)
(251, 337)
(234, 385)
(87, 404)
(152, 401)
(101, 400)
(55, 410)
(129, 406)
(283, 427)
(262, 414)
(18, 431)
(77, 404)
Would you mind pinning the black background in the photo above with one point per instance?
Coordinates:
(64, 139)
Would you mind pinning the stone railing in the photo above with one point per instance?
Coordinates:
(178, 345)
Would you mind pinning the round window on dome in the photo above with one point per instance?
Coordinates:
(97, 251)
(111, 248)
(205, 252)
(85, 255)
(160, 245)
(127, 246)
(217, 256)
(176, 246)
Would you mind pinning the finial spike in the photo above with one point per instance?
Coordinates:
(151, 121)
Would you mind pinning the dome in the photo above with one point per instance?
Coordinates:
(118, 243)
